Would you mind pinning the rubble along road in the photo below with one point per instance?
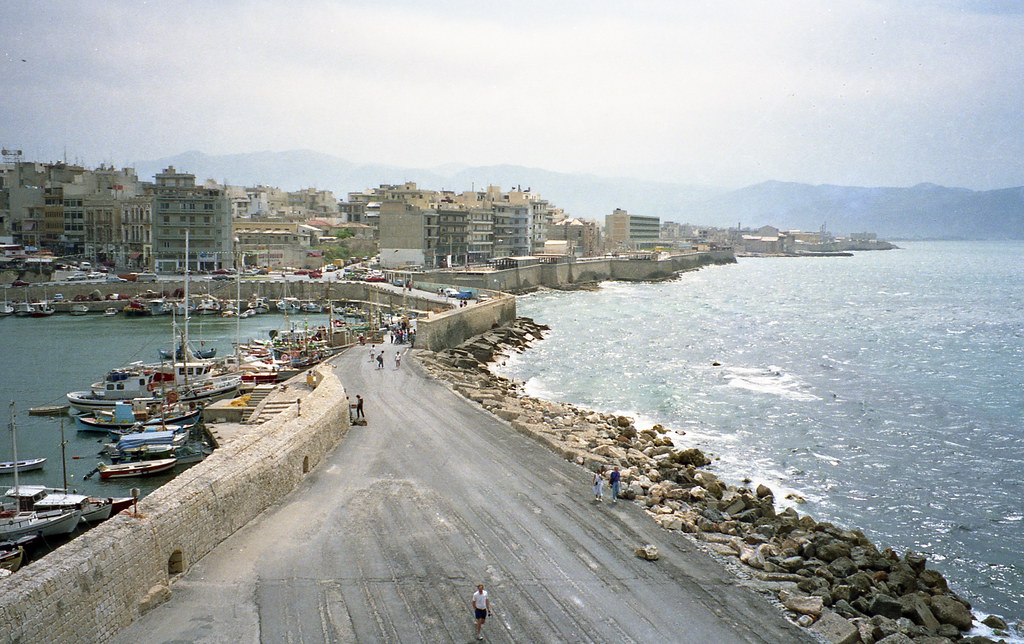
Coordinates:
(386, 540)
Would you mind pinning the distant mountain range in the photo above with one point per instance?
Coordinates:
(924, 211)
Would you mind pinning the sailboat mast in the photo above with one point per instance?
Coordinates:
(185, 348)
(14, 447)
(63, 456)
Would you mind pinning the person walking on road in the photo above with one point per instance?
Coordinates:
(598, 483)
(398, 359)
(615, 477)
(359, 406)
(481, 609)
(373, 349)
(380, 359)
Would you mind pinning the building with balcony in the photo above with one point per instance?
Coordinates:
(179, 205)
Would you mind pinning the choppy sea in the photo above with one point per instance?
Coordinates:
(885, 389)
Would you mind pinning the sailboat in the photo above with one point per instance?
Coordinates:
(16, 521)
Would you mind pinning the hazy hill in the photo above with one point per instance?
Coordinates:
(922, 211)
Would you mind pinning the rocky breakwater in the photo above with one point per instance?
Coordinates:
(829, 579)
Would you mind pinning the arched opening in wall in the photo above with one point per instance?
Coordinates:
(176, 564)
(305, 464)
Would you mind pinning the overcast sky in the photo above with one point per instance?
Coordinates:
(723, 92)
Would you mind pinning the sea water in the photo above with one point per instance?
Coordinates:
(884, 389)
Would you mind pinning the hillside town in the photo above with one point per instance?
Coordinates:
(111, 217)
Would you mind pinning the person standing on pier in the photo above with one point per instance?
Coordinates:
(481, 609)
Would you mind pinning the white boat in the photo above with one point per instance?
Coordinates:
(160, 306)
(79, 309)
(110, 312)
(260, 305)
(207, 306)
(24, 309)
(179, 382)
(24, 465)
(288, 305)
(6, 309)
(311, 307)
(38, 498)
(17, 524)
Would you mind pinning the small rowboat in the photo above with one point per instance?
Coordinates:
(23, 466)
(140, 468)
(11, 559)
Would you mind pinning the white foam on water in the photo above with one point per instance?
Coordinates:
(769, 380)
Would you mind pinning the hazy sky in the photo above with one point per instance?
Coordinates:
(722, 92)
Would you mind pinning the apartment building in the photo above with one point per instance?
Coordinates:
(180, 206)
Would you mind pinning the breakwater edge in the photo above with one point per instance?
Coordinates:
(830, 579)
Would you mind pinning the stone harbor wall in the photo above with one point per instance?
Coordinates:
(584, 271)
(833, 580)
(94, 586)
(450, 328)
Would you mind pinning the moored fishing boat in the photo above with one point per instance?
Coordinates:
(185, 383)
(11, 558)
(38, 498)
(79, 309)
(24, 465)
(139, 468)
(124, 417)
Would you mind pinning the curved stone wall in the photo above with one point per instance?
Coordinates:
(89, 589)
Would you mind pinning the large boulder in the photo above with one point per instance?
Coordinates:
(835, 629)
(885, 606)
(949, 611)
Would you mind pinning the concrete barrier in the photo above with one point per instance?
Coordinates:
(89, 589)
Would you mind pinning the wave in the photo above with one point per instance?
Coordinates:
(768, 380)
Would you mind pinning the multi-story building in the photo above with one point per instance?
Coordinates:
(278, 243)
(624, 231)
(30, 214)
(581, 236)
(180, 207)
(409, 236)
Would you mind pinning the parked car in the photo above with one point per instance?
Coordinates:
(115, 278)
(222, 271)
(145, 277)
(19, 283)
(96, 275)
(78, 277)
(315, 275)
(57, 297)
(222, 276)
(375, 277)
(302, 271)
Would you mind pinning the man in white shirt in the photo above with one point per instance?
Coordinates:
(481, 609)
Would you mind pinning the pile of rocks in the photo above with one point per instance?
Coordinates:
(832, 580)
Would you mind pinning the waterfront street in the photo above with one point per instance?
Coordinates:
(386, 540)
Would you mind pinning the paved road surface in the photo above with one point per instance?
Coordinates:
(386, 541)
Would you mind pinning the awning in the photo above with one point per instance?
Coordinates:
(134, 255)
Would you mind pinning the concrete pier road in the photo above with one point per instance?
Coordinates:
(387, 539)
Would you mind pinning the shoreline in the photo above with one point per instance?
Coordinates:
(833, 581)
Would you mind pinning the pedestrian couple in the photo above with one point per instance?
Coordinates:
(614, 478)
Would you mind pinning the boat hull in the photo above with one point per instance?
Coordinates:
(23, 466)
(143, 468)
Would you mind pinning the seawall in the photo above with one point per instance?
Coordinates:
(90, 588)
(588, 270)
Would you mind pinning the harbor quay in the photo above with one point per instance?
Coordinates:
(90, 589)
